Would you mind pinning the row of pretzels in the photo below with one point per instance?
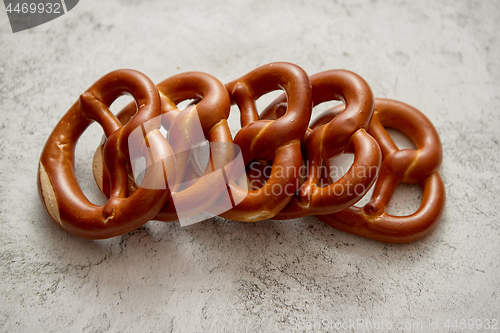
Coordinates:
(280, 139)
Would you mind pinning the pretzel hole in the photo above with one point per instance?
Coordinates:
(185, 103)
(84, 152)
(401, 140)
(233, 120)
(163, 131)
(365, 199)
(139, 170)
(321, 108)
(405, 200)
(200, 156)
(120, 103)
(339, 165)
(263, 101)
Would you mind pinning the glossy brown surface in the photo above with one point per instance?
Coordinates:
(343, 133)
(277, 140)
(287, 163)
(59, 188)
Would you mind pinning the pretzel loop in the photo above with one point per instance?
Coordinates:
(329, 138)
(211, 110)
(58, 186)
(276, 166)
(277, 140)
(204, 119)
(257, 137)
(399, 166)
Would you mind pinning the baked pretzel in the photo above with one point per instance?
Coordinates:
(57, 183)
(205, 118)
(177, 185)
(344, 133)
(274, 140)
(414, 166)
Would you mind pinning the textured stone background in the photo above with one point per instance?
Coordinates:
(221, 276)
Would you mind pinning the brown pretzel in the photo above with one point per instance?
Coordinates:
(277, 140)
(346, 132)
(399, 166)
(205, 118)
(58, 186)
(177, 185)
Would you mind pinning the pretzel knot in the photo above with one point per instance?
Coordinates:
(344, 133)
(58, 186)
(276, 140)
(415, 166)
(194, 190)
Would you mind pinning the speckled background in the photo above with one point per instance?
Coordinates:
(221, 276)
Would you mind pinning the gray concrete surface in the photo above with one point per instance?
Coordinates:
(221, 276)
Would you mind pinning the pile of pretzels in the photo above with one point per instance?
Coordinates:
(280, 139)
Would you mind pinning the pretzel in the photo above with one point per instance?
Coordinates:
(346, 132)
(414, 166)
(57, 183)
(210, 110)
(275, 140)
(177, 185)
